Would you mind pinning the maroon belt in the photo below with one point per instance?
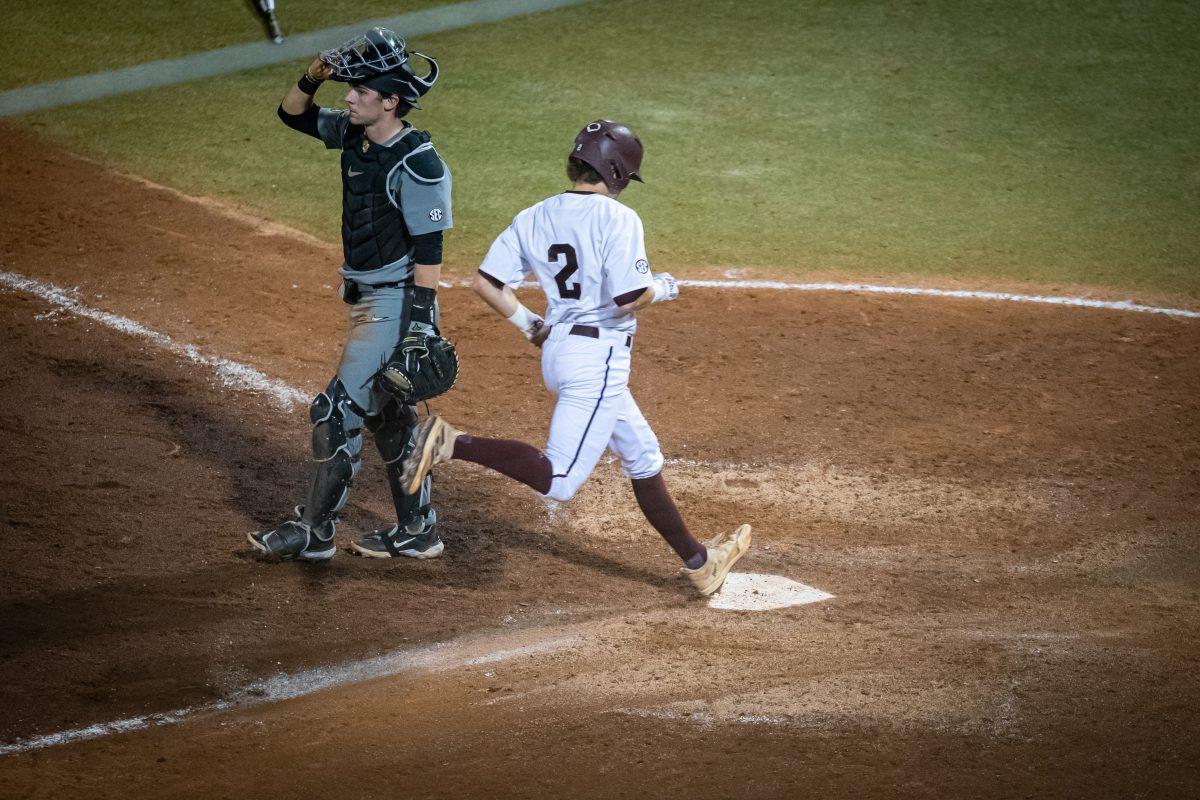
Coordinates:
(593, 332)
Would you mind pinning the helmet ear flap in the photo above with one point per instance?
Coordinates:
(426, 82)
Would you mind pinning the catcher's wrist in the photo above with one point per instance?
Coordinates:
(308, 84)
(423, 302)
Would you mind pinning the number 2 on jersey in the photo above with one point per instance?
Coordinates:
(567, 291)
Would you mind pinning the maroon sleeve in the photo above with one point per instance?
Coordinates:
(629, 297)
(499, 284)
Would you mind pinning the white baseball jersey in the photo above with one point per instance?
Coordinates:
(585, 250)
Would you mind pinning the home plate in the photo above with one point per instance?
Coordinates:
(749, 591)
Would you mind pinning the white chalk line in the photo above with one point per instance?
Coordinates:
(288, 686)
(962, 294)
(231, 374)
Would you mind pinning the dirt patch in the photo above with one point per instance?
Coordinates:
(1002, 499)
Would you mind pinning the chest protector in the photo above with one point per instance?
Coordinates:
(373, 230)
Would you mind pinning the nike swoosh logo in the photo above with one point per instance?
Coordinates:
(409, 540)
(353, 174)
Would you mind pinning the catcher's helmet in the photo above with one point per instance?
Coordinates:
(379, 60)
(612, 150)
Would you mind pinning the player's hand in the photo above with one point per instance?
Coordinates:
(539, 332)
(319, 71)
(665, 287)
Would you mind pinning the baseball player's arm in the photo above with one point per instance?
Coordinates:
(299, 97)
(427, 272)
(663, 288)
(503, 266)
(504, 302)
(427, 255)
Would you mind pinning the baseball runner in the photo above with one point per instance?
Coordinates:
(395, 206)
(587, 252)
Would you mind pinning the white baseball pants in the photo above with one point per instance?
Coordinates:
(595, 409)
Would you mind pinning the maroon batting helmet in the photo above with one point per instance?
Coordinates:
(612, 150)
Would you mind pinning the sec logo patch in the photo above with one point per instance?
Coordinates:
(436, 214)
(642, 266)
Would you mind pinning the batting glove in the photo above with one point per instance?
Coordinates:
(665, 287)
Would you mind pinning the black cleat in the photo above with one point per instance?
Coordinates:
(418, 539)
(294, 540)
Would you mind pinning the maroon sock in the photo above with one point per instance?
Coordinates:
(517, 460)
(660, 510)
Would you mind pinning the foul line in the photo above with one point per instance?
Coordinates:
(288, 686)
(166, 72)
(866, 288)
(232, 374)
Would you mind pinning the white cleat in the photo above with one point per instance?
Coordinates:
(435, 445)
(724, 550)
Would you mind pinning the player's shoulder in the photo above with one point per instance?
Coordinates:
(544, 206)
(617, 212)
(336, 121)
(423, 162)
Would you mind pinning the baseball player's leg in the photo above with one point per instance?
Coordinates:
(579, 431)
(415, 532)
(336, 447)
(634, 442)
(377, 320)
(706, 565)
(590, 377)
(519, 461)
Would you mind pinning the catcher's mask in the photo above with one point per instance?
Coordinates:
(379, 60)
(612, 150)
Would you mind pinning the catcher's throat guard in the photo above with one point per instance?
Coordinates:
(379, 60)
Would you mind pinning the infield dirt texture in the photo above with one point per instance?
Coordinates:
(1002, 499)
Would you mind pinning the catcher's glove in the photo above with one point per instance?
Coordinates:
(425, 366)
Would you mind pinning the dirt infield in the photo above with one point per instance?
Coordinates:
(1002, 498)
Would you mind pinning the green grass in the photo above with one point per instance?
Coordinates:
(1052, 142)
(51, 40)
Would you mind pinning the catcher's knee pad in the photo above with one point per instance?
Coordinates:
(337, 451)
(393, 429)
(646, 465)
(336, 424)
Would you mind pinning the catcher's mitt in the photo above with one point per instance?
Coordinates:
(425, 366)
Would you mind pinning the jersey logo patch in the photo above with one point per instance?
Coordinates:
(642, 266)
(436, 214)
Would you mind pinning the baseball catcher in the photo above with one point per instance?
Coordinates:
(395, 207)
